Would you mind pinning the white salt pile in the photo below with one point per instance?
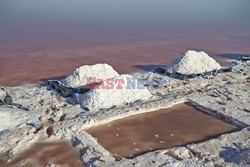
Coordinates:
(114, 92)
(79, 77)
(193, 62)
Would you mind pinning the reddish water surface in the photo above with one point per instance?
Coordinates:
(161, 129)
(45, 39)
(58, 153)
(34, 64)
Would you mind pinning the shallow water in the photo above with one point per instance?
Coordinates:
(41, 40)
(161, 129)
(40, 154)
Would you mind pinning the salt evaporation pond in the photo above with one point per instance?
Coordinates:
(166, 128)
(41, 153)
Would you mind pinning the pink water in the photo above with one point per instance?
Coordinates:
(45, 39)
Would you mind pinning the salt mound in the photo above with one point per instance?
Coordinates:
(79, 77)
(131, 91)
(193, 62)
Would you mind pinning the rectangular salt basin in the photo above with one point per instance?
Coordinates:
(166, 128)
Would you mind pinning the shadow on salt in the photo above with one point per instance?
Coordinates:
(176, 126)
